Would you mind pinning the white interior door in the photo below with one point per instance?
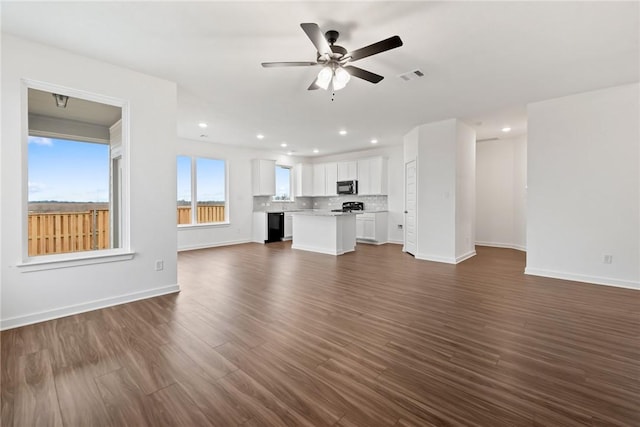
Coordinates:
(410, 197)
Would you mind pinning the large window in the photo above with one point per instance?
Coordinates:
(74, 175)
(202, 195)
(283, 184)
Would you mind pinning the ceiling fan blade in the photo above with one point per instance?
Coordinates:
(363, 74)
(381, 46)
(314, 86)
(317, 38)
(289, 64)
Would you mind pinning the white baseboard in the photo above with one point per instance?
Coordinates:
(396, 242)
(466, 256)
(629, 284)
(446, 260)
(43, 316)
(214, 245)
(319, 250)
(502, 245)
(436, 258)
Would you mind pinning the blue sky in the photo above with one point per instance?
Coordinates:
(67, 171)
(283, 182)
(210, 179)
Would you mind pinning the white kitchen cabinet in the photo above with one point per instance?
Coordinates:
(372, 176)
(303, 179)
(288, 225)
(331, 177)
(259, 230)
(347, 171)
(325, 177)
(319, 180)
(371, 227)
(263, 177)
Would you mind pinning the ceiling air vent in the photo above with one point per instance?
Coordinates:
(487, 139)
(411, 75)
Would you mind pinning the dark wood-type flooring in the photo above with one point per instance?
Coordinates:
(262, 335)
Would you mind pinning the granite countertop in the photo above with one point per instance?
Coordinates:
(323, 213)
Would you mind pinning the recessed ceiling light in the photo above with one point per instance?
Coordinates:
(284, 144)
(289, 153)
(260, 136)
(374, 141)
(315, 150)
(203, 125)
(506, 129)
(343, 132)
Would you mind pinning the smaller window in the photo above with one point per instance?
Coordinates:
(283, 184)
(202, 197)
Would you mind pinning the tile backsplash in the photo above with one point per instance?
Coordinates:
(265, 203)
(371, 203)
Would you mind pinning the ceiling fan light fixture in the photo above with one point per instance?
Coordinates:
(340, 79)
(324, 77)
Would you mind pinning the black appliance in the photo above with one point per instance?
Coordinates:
(347, 187)
(275, 227)
(350, 207)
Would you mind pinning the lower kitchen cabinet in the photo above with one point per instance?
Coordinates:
(371, 227)
(288, 226)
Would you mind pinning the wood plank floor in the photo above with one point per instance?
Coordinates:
(262, 335)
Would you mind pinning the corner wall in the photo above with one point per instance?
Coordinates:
(32, 296)
(445, 216)
(501, 193)
(584, 187)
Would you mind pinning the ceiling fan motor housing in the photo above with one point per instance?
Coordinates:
(332, 36)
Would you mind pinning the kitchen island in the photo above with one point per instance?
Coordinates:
(332, 233)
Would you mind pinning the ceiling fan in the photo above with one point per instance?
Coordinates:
(334, 59)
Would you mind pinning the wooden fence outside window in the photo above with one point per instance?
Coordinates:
(205, 214)
(62, 232)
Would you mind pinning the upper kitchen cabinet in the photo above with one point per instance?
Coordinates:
(372, 176)
(319, 180)
(263, 177)
(303, 179)
(331, 176)
(347, 171)
(325, 178)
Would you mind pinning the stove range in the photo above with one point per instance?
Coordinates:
(350, 206)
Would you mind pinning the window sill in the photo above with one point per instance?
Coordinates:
(75, 259)
(204, 225)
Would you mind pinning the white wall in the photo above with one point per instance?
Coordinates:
(238, 161)
(30, 296)
(465, 191)
(501, 168)
(395, 183)
(583, 187)
(445, 153)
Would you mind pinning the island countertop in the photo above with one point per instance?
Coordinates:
(322, 213)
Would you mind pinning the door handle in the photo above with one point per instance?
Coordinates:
(406, 212)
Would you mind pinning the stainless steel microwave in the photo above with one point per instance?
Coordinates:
(347, 187)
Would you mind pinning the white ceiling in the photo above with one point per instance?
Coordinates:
(483, 61)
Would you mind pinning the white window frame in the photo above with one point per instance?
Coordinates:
(194, 193)
(291, 192)
(72, 259)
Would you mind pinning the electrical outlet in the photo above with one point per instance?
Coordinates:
(159, 265)
(607, 259)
